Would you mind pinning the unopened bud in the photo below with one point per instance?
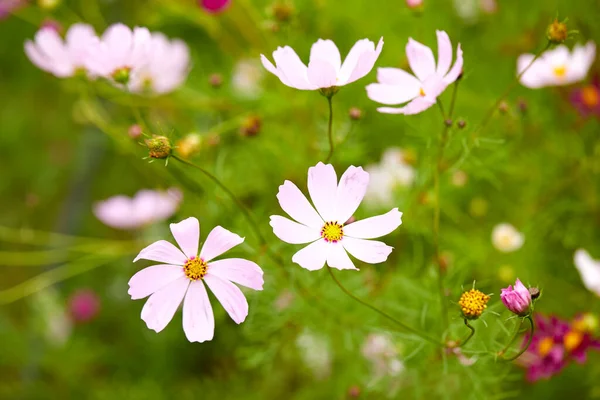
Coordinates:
(189, 145)
(448, 123)
(214, 6)
(121, 75)
(355, 113)
(461, 123)
(557, 32)
(159, 147)
(522, 104)
(282, 12)
(134, 131)
(503, 107)
(215, 80)
(414, 4)
(48, 4)
(534, 292)
(354, 392)
(53, 25)
(251, 126)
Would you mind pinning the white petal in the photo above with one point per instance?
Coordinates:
(321, 74)
(369, 251)
(230, 296)
(374, 227)
(219, 240)
(589, 269)
(162, 251)
(293, 202)
(293, 232)
(292, 68)
(322, 186)
(338, 258)
(198, 317)
(313, 256)
(416, 106)
(420, 58)
(444, 53)
(392, 94)
(238, 270)
(326, 50)
(187, 235)
(152, 279)
(350, 192)
(162, 305)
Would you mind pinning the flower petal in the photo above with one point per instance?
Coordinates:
(36, 57)
(230, 296)
(444, 53)
(589, 270)
(293, 232)
(338, 258)
(392, 94)
(187, 235)
(369, 251)
(456, 68)
(350, 192)
(351, 61)
(420, 59)
(162, 305)
(374, 227)
(198, 317)
(313, 256)
(152, 279)
(397, 76)
(294, 70)
(365, 63)
(322, 186)
(162, 251)
(219, 240)
(416, 106)
(321, 74)
(272, 69)
(326, 50)
(536, 75)
(238, 270)
(293, 202)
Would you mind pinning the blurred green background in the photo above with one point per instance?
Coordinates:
(537, 167)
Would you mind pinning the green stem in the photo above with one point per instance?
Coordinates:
(524, 349)
(382, 313)
(330, 130)
(233, 197)
(465, 340)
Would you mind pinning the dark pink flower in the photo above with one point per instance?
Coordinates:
(517, 300)
(214, 6)
(586, 99)
(84, 305)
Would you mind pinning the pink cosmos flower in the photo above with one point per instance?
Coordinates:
(517, 300)
(396, 86)
(166, 66)
(324, 227)
(557, 67)
(183, 276)
(146, 207)
(325, 68)
(61, 58)
(214, 6)
(84, 305)
(120, 53)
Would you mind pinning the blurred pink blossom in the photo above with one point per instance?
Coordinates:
(396, 86)
(183, 276)
(414, 3)
(214, 6)
(84, 305)
(146, 207)
(586, 99)
(8, 6)
(517, 300)
(325, 68)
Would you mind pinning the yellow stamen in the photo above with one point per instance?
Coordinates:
(332, 232)
(572, 340)
(473, 303)
(545, 346)
(421, 92)
(560, 71)
(195, 268)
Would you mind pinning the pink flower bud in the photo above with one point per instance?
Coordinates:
(214, 6)
(414, 3)
(517, 300)
(84, 305)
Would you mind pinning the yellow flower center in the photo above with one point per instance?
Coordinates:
(121, 75)
(590, 96)
(332, 232)
(572, 340)
(421, 92)
(560, 71)
(473, 303)
(545, 346)
(195, 268)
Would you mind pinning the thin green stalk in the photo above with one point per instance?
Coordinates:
(465, 340)
(517, 331)
(330, 130)
(382, 313)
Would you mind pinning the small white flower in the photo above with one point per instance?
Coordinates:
(506, 238)
(391, 172)
(589, 269)
(247, 78)
(383, 355)
(315, 353)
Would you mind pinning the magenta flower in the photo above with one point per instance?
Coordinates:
(396, 86)
(8, 6)
(165, 68)
(324, 227)
(146, 207)
(586, 99)
(517, 300)
(183, 275)
(61, 58)
(325, 68)
(84, 305)
(214, 6)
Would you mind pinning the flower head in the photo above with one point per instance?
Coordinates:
(506, 238)
(396, 86)
(517, 300)
(473, 303)
(557, 67)
(324, 228)
(586, 99)
(214, 6)
(325, 69)
(589, 270)
(146, 207)
(557, 32)
(62, 58)
(84, 305)
(182, 275)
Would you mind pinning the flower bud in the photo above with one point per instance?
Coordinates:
(461, 123)
(159, 147)
(282, 12)
(414, 4)
(557, 32)
(522, 105)
(473, 303)
(517, 300)
(215, 80)
(503, 107)
(535, 293)
(48, 4)
(214, 6)
(53, 25)
(135, 131)
(354, 392)
(448, 123)
(84, 305)
(121, 75)
(251, 126)
(355, 113)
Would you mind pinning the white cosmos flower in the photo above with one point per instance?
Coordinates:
(557, 67)
(506, 238)
(589, 269)
(391, 172)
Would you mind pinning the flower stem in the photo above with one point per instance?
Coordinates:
(465, 340)
(233, 197)
(330, 130)
(517, 331)
(382, 313)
